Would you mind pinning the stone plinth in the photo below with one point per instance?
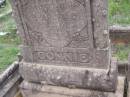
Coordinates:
(99, 79)
(39, 90)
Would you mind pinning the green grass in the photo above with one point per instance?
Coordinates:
(10, 38)
(119, 12)
(7, 55)
(8, 43)
(122, 52)
(7, 24)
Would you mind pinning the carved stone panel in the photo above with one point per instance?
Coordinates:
(57, 23)
(61, 32)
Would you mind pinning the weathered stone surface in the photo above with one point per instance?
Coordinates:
(128, 76)
(38, 90)
(64, 32)
(99, 15)
(128, 72)
(18, 94)
(128, 92)
(66, 43)
(8, 72)
(11, 85)
(98, 79)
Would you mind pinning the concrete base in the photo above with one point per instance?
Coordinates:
(128, 92)
(38, 90)
(9, 81)
(65, 76)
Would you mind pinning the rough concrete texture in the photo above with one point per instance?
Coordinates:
(71, 37)
(37, 90)
(11, 85)
(128, 72)
(128, 92)
(8, 72)
(97, 79)
(128, 76)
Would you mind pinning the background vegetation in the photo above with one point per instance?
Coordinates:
(10, 41)
(119, 13)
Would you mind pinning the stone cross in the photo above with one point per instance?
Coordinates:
(66, 43)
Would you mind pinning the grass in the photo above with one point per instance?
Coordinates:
(7, 24)
(119, 12)
(122, 51)
(7, 55)
(9, 42)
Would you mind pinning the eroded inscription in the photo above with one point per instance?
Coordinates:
(57, 56)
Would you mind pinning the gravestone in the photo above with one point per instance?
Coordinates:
(65, 49)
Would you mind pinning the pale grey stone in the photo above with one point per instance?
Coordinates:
(97, 79)
(11, 85)
(37, 90)
(66, 43)
(128, 77)
(128, 72)
(64, 32)
(8, 72)
(26, 53)
(128, 92)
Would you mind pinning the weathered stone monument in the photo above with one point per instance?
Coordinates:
(66, 49)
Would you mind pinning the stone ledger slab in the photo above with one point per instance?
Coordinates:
(37, 90)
